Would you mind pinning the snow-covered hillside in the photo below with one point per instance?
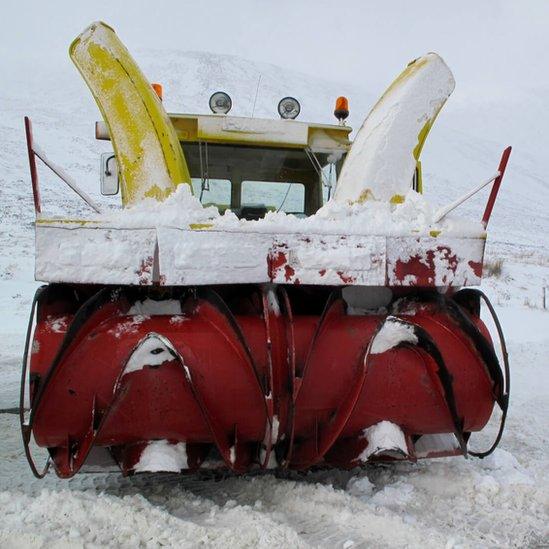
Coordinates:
(452, 502)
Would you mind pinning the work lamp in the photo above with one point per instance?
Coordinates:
(289, 108)
(220, 103)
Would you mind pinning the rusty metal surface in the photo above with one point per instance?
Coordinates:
(251, 376)
(179, 257)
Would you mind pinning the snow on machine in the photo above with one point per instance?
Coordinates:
(269, 295)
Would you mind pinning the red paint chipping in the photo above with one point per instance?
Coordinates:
(445, 253)
(477, 267)
(275, 262)
(278, 261)
(415, 267)
(423, 268)
(322, 272)
(145, 270)
(346, 279)
(289, 272)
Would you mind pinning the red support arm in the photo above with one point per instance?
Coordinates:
(495, 186)
(32, 165)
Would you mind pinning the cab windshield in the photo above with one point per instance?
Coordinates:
(252, 181)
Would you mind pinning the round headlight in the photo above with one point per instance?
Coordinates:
(289, 108)
(220, 103)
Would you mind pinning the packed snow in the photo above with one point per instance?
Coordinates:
(392, 333)
(152, 307)
(128, 245)
(441, 442)
(384, 438)
(450, 502)
(150, 352)
(409, 105)
(162, 456)
(414, 216)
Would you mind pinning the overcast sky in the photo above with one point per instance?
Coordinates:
(492, 46)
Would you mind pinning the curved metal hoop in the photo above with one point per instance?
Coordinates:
(26, 429)
(506, 388)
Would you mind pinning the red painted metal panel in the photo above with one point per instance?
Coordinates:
(261, 381)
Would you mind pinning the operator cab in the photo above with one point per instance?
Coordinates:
(254, 180)
(253, 166)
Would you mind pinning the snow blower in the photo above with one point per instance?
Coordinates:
(269, 295)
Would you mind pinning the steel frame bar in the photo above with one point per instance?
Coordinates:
(35, 151)
(495, 187)
(32, 166)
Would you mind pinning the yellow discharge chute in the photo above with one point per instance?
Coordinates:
(148, 152)
(386, 149)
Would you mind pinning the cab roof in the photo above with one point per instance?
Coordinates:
(216, 128)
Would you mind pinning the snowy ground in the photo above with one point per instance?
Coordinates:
(500, 501)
